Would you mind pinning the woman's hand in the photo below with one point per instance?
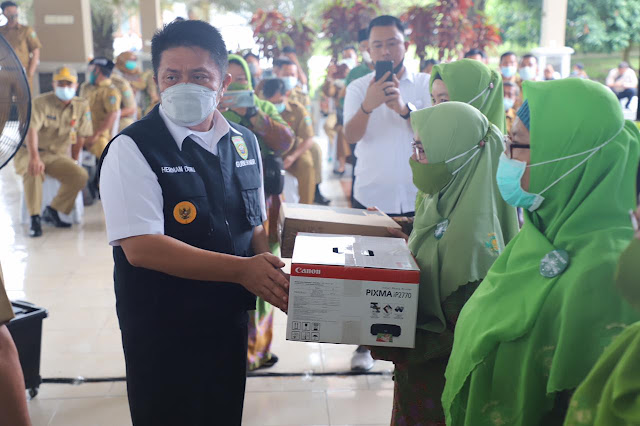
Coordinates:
(393, 231)
(396, 355)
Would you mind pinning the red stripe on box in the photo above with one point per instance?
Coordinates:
(351, 273)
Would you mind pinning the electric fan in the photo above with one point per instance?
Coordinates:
(15, 103)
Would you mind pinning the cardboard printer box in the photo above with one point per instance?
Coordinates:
(353, 289)
(295, 218)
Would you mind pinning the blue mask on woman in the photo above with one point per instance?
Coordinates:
(509, 174)
(92, 78)
(131, 65)
(280, 107)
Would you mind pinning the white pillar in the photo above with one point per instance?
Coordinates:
(552, 48)
(150, 21)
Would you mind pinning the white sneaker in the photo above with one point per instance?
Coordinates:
(362, 359)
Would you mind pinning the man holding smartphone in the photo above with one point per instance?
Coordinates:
(377, 111)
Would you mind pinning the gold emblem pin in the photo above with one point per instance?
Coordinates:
(185, 212)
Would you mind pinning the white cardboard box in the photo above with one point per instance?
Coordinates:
(353, 289)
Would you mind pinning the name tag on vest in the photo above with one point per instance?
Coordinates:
(177, 169)
(245, 163)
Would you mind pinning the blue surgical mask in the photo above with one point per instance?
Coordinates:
(527, 73)
(508, 103)
(280, 107)
(131, 65)
(289, 82)
(65, 94)
(509, 71)
(92, 78)
(509, 174)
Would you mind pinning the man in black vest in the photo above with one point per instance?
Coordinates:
(183, 197)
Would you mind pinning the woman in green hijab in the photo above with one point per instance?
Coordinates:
(541, 318)
(460, 228)
(274, 137)
(610, 395)
(471, 82)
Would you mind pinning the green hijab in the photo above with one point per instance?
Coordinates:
(467, 78)
(610, 395)
(265, 106)
(478, 222)
(516, 312)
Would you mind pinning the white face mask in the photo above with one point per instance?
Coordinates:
(188, 104)
(366, 57)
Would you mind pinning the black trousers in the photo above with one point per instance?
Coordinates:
(628, 94)
(185, 375)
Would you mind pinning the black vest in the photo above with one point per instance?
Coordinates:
(210, 202)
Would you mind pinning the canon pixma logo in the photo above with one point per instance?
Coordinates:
(308, 271)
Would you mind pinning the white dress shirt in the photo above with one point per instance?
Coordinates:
(383, 175)
(629, 78)
(130, 193)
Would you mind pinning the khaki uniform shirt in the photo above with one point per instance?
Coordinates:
(23, 39)
(6, 311)
(127, 100)
(298, 95)
(59, 125)
(104, 98)
(299, 120)
(510, 116)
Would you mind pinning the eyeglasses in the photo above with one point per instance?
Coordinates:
(509, 145)
(418, 149)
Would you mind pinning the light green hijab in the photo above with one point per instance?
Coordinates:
(610, 395)
(478, 222)
(466, 79)
(523, 337)
(265, 106)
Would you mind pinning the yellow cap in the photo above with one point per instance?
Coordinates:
(65, 74)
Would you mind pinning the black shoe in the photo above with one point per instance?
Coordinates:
(338, 173)
(51, 216)
(320, 199)
(36, 227)
(272, 361)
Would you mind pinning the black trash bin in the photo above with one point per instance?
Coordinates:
(26, 330)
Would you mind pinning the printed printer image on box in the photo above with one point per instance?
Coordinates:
(295, 218)
(354, 290)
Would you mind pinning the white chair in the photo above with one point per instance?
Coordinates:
(50, 188)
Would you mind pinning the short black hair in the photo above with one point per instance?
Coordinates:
(272, 87)
(509, 53)
(363, 35)
(6, 4)
(623, 64)
(474, 52)
(279, 63)
(511, 84)
(344, 49)
(288, 49)
(579, 65)
(104, 65)
(428, 62)
(190, 33)
(386, 21)
(530, 55)
(250, 55)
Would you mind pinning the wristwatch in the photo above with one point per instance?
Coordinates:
(411, 107)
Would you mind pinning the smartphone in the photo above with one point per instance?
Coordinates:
(240, 98)
(382, 67)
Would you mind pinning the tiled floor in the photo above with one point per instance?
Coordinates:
(69, 273)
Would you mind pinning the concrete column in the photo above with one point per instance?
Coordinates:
(64, 28)
(150, 21)
(552, 38)
(554, 23)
